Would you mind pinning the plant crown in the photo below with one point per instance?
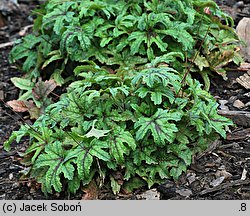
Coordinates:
(132, 113)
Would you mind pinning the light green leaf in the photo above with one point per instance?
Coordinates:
(95, 132)
(22, 83)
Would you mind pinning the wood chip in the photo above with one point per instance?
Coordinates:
(244, 175)
(225, 186)
(241, 118)
(210, 148)
(244, 80)
(1, 95)
(244, 66)
(2, 21)
(243, 30)
(152, 194)
(239, 135)
(238, 104)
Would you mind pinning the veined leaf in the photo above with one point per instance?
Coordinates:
(165, 76)
(58, 16)
(82, 158)
(120, 143)
(22, 83)
(156, 93)
(159, 126)
(138, 38)
(54, 159)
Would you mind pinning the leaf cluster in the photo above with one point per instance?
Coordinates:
(126, 34)
(131, 105)
(107, 123)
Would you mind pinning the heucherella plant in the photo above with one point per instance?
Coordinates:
(133, 113)
(121, 34)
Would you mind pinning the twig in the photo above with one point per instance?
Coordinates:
(239, 117)
(24, 30)
(214, 145)
(21, 33)
(224, 186)
(7, 44)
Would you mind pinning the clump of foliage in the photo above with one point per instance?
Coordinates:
(131, 106)
(135, 123)
(124, 34)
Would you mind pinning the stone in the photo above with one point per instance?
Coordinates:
(238, 104)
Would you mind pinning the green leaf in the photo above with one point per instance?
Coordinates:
(96, 133)
(58, 17)
(54, 159)
(82, 158)
(96, 150)
(133, 184)
(159, 126)
(175, 172)
(138, 38)
(116, 187)
(74, 184)
(201, 62)
(120, 144)
(30, 61)
(23, 83)
(181, 35)
(182, 151)
(15, 135)
(152, 76)
(52, 59)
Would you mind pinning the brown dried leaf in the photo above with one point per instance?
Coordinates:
(43, 89)
(20, 106)
(91, 191)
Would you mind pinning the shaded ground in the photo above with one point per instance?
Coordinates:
(222, 172)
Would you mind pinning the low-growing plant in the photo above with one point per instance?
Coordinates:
(125, 34)
(133, 113)
(109, 123)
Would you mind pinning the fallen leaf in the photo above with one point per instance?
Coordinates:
(43, 89)
(20, 106)
(91, 191)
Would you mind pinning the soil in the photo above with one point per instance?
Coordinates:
(221, 172)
